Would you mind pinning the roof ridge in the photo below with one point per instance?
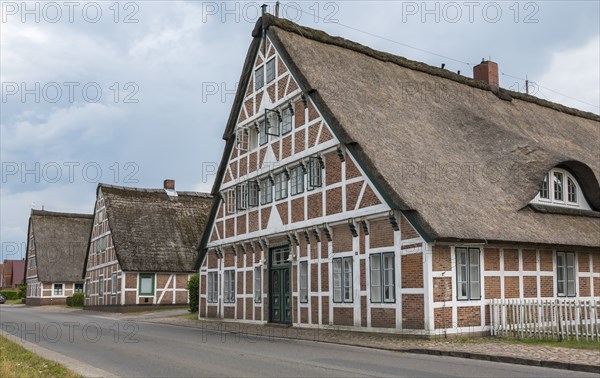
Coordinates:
(154, 190)
(59, 214)
(323, 37)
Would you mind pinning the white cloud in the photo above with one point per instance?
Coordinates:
(574, 72)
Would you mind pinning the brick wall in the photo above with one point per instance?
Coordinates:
(343, 316)
(413, 311)
(383, 317)
(469, 316)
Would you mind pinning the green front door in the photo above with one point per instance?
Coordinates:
(280, 293)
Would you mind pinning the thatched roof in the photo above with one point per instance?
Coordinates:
(460, 160)
(61, 241)
(155, 232)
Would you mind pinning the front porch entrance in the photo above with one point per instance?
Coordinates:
(280, 292)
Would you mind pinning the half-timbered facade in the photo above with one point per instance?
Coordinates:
(356, 190)
(56, 248)
(143, 246)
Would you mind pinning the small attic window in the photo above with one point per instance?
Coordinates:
(560, 188)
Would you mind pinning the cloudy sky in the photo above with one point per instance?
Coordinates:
(131, 93)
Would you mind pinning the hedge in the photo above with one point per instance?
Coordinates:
(193, 287)
(10, 294)
(76, 300)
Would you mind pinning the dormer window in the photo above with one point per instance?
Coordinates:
(560, 188)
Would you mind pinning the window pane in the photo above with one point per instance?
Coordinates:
(376, 278)
(259, 78)
(558, 186)
(304, 281)
(270, 70)
(570, 274)
(544, 191)
(347, 279)
(572, 191)
(146, 285)
(337, 280)
(388, 278)
(286, 123)
(257, 285)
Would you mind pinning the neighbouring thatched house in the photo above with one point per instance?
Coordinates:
(56, 248)
(143, 245)
(361, 189)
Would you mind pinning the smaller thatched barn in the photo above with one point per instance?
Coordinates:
(143, 246)
(56, 247)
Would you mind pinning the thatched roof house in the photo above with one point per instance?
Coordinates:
(143, 245)
(153, 231)
(461, 159)
(59, 242)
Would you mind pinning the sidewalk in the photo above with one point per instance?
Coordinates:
(483, 348)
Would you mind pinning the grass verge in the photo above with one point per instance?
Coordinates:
(568, 343)
(16, 361)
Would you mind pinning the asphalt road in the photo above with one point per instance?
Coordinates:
(135, 348)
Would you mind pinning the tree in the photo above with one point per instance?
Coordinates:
(193, 287)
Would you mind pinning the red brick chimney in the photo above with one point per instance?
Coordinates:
(488, 72)
(169, 184)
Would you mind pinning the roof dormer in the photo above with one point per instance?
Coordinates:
(560, 188)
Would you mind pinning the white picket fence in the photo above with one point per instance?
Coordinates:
(546, 318)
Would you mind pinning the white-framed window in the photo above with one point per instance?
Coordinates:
(560, 188)
(146, 287)
(113, 284)
(342, 280)
(287, 116)
(242, 196)
(230, 201)
(281, 186)
(259, 78)
(101, 285)
(57, 290)
(212, 287)
(565, 274)
(257, 284)
(303, 281)
(270, 68)
(229, 286)
(266, 191)
(382, 277)
(253, 193)
(87, 287)
(296, 180)
(315, 173)
(468, 282)
(78, 288)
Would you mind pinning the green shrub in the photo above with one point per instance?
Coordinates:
(10, 294)
(76, 300)
(193, 287)
(22, 290)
